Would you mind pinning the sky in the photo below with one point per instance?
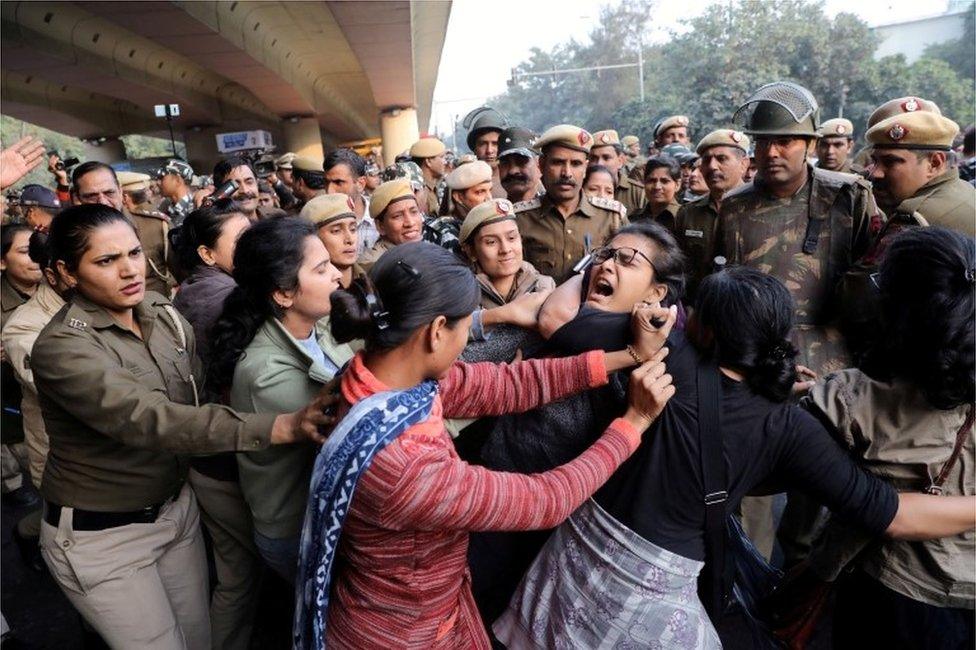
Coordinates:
(466, 77)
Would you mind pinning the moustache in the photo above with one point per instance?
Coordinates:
(245, 195)
(516, 178)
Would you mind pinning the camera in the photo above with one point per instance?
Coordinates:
(63, 163)
(264, 166)
(225, 191)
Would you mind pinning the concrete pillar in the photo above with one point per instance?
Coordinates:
(399, 130)
(110, 151)
(201, 149)
(301, 136)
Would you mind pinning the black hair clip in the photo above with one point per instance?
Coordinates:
(379, 315)
(412, 272)
(971, 276)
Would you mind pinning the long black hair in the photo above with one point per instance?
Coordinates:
(927, 282)
(202, 227)
(413, 284)
(267, 259)
(668, 260)
(749, 316)
(69, 232)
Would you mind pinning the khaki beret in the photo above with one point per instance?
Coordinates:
(284, 162)
(307, 164)
(605, 138)
(491, 211)
(836, 128)
(723, 138)
(387, 193)
(670, 123)
(133, 181)
(469, 175)
(466, 158)
(326, 208)
(427, 148)
(916, 130)
(566, 135)
(629, 140)
(902, 105)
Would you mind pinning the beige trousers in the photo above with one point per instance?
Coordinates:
(140, 586)
(227, 519)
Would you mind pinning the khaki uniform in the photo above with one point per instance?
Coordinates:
(554, 244)
(527, 280)
(434, 192)
(808, 241)
(696, 227)
(945, 201)
(119, 411)
(19, 335)
(634, 169)
(368, 257)
(905, 441)
(153, 228)
(13, 451)
(630, 193)
(668, 217)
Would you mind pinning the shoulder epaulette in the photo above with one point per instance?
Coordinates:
(835, 179)
(531, 204)
(608, 204)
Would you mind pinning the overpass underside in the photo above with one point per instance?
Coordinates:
(308, 72)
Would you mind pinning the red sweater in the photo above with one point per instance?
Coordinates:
(402, 577)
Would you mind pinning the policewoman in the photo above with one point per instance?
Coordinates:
(117, 381)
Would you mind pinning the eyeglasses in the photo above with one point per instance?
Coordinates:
(624, 255)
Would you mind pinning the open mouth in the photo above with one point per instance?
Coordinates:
(602, 288)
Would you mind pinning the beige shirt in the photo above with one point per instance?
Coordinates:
(899, 437)
(19, 334)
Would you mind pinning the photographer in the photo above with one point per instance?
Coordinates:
(59, 169)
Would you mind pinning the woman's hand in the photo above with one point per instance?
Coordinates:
(522, 312)
(805, 380)
(651, 324)
(313, 422)
(650, 390)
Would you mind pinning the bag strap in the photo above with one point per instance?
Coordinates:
(171, 311)
(961, 435)
(714, 481)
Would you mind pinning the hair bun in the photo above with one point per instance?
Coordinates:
(351, 317)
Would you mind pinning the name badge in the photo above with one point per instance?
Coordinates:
(694, 233)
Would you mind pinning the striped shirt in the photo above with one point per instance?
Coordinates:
(402, 577)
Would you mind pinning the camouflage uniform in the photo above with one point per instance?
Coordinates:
(808, 241)
(177, 211)
(554, 244)
(444, 232)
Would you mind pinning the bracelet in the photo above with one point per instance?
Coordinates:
(632, 351)
(477, 327)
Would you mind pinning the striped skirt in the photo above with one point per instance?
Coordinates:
(598, 584)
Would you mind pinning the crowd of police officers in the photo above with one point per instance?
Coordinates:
(778, 190)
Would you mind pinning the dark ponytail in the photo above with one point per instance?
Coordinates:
(927, 283)
(750, 316)
(408, 288)
(202, 227)
(267, 259)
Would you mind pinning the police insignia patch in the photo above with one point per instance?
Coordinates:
(910, 106)
(74, 323)
(527, 205)
(583, 138)
(735, 136)
(841, 129)
(897, 132)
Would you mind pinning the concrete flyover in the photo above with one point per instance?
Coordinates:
(311, 73)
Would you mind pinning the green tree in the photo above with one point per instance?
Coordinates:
(960, 54)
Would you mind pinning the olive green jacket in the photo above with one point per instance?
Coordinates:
(901, 438)
(277, 375)
(119, 409)
(945, 201)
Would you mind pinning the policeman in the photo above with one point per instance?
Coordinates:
(470, 186)
(562, 226)
(910, 172)
(175, 178)
(671, 130)
(484, 126)
(428, 154)
(634, 167)
(662, 182)
(835, 144)
(609, 152)
(116, 373)
(518, 167)
(40, 204)
(153, 227)
(724, 160)
(806, 226)
(281, 180)
(411, 172)
(398, 216)
(308, 178)
(283, 169)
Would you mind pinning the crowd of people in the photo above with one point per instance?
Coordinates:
(546, 394)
